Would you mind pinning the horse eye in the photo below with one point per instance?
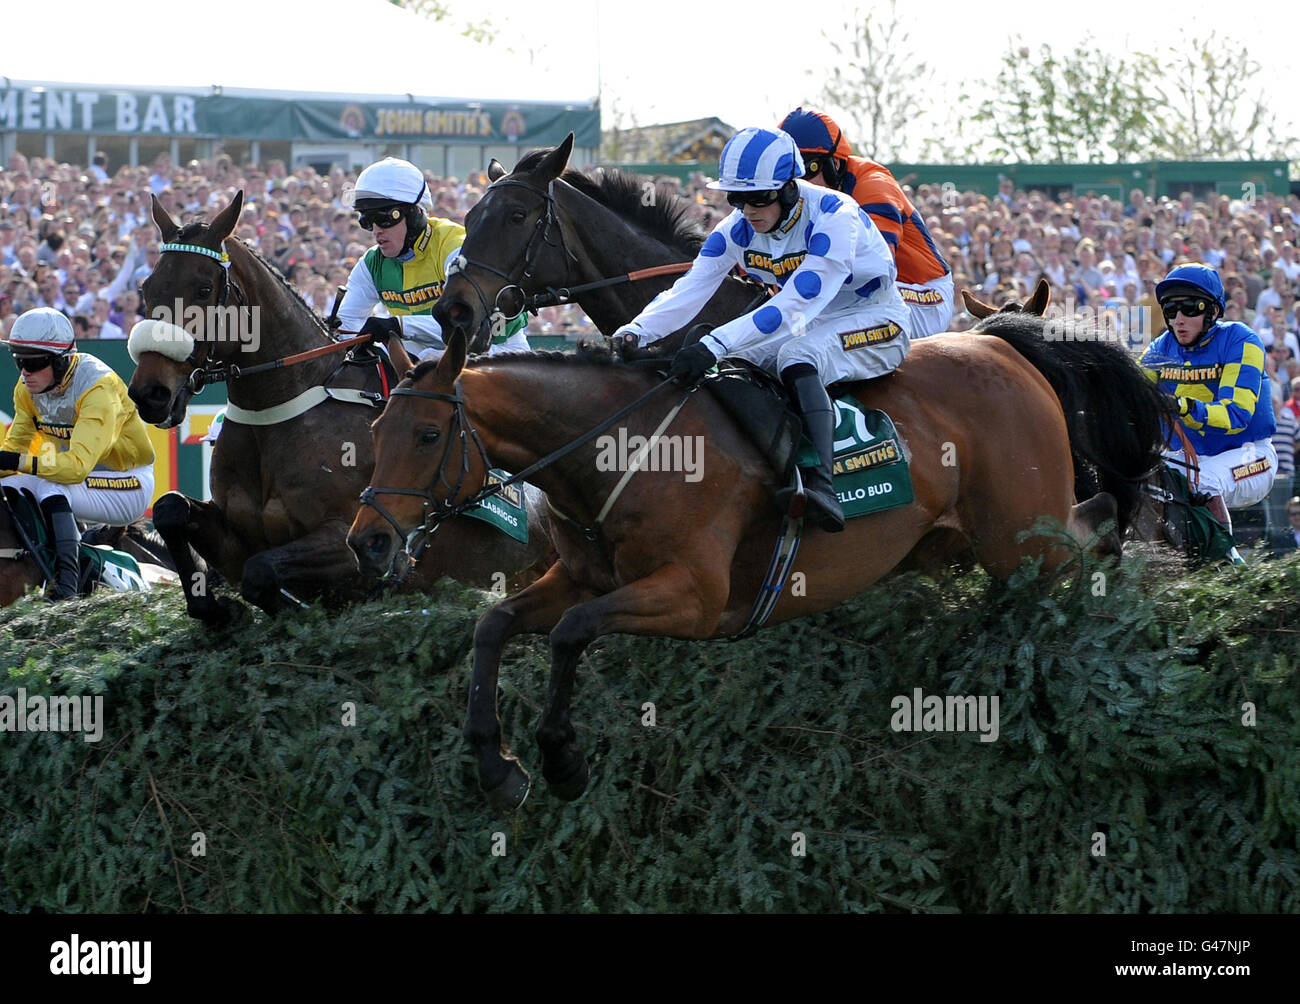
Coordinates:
(430, 435)
(517, 216)
(204, 292)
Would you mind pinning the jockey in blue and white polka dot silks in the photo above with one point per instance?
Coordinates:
(838, 314)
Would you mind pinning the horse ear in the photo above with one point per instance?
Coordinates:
(453, 360)
(228, 218)
(556, 161)
(1037, 304)
(166, 225)
(977, 308)
(495, 171)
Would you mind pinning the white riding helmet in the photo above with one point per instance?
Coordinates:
(392, 180)
(758, 160)
(42, 331)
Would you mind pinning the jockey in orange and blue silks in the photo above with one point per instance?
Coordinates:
(838, 315)
(1215, 371)
(77, 442)
(924, 279)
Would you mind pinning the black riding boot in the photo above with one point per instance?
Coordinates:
(67, 548)
(819, 425)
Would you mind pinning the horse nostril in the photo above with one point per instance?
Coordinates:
(458, 312)
(376, 546)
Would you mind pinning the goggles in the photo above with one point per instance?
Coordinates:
(382, 218)
(33, 364)
(758, 200)
(1192, 306)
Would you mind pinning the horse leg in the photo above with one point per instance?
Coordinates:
(310, 566)
(660, 604)
(196, 534)
(534, 609)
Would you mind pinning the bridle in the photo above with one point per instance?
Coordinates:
(461, 431)
(203, 372)
(525, 270)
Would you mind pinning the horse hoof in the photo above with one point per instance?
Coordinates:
(573, 784)
(510, 794)
(216, 613)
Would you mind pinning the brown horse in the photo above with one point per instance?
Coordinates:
(282, 493)
(673, 557)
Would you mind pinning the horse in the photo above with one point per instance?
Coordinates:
(575, 232)
(283, 492)
(990, 454)
(21, 571)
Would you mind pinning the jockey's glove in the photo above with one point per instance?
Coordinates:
(381, 328)
(692, 362)
(9, 460)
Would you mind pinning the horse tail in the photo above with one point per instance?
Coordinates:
(1116, 415)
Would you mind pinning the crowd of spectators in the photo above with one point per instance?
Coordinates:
(81, 240)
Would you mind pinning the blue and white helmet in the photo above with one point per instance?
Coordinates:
(758, 160)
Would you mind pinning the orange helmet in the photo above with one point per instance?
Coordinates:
(815, 132)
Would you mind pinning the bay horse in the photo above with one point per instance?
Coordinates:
(672, 557)
(578, 234)
(283, 494)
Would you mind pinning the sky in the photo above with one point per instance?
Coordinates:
(747, 64)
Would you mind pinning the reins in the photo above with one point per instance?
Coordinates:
(436, 512)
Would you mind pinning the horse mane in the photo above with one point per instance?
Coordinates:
(188, 233)
(669, 217)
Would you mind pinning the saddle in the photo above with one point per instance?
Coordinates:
(100, 564)
(871, 471)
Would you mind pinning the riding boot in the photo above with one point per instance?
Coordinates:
(67, 548)
(1219, 510)
(818, 416)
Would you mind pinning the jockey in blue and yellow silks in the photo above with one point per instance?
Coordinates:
(1215, 370)
(406, 269)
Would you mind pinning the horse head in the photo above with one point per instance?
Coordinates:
(420, 439)
(187, 300)
(513, 247)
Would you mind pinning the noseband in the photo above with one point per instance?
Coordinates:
(526, 270)
(434, 511)
(202, 373)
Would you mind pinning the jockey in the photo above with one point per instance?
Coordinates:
(838, 315)
(76, 440)
(407, 267)
(1215, 370)
(924, 279)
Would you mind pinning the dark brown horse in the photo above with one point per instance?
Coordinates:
(673, 557)
(568, 231)
(283, 494)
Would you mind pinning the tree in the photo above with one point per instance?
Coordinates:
(435, 10)
(1193, 100)
(1088, 105)
(876, 84)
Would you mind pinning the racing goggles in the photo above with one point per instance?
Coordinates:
(382, 218)
(756, 199)
(33, 364)
(1192, 306)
